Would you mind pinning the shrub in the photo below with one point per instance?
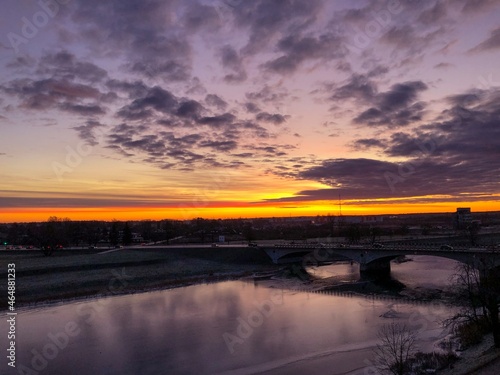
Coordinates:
(469, 334)
(424, 363)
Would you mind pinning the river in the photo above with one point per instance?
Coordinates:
(233, 327)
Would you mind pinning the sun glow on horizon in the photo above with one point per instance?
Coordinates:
(241, 210)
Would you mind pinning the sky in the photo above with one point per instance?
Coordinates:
(177, 109)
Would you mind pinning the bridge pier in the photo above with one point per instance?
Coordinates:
(381, 268)
(376, 260)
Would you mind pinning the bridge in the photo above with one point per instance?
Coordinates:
(373, 259)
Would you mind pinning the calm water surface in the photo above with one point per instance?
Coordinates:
(225, 328)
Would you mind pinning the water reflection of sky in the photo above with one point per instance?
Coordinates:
(180, 331)
(425, 272)
(420, 272)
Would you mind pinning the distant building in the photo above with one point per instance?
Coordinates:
(363, 219)
(136, 237)
(291, 221)
(462, 219)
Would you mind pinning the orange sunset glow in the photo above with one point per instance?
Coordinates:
(218, 110)
(235, 210)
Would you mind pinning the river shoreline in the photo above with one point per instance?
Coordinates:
(71, 277)
(74, 275)
(477, 360)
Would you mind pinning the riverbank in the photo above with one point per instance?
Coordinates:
(76, 274)
(481, 359)
(72, 275)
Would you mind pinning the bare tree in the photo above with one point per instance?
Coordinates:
(467, 291)
(477, 289)
(397, 346)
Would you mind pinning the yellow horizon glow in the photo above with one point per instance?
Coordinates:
(239, 210)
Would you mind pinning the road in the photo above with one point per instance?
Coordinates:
(165, 247)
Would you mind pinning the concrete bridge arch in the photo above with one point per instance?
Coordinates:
(377, 260)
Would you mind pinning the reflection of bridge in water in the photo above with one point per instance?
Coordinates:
(374, 297)
(377, 259)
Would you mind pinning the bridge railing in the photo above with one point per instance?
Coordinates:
(406, 247)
